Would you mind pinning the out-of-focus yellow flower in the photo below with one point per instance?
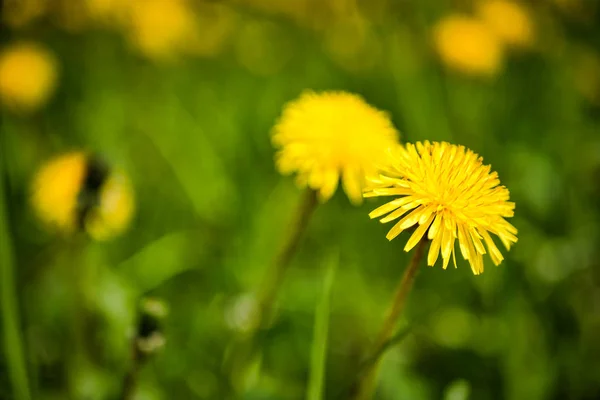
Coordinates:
(509, 20)
(449, 194)
(28, 74)
(468, 45)
(329, 135)
(114, 210)
(56, 188)
(163, 29)
(75, 192)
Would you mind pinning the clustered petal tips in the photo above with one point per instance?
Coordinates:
(331, 135)
(447, 191)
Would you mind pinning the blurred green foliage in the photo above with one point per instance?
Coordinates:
(212, 212)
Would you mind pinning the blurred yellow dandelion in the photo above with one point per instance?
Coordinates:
(448, 192)
(325, 136)
(162, 29)
(28, 74)
(509, 21)
(75, 191)
(468, 45)
(56, 188)
(114, 210)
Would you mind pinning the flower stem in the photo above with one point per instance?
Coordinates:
(13, 342)
(245, 348)
(367, 380)
(276, 274)
(131, 377)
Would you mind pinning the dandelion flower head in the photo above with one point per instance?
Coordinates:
(447, 192)
(28, 74)
(114, 210)
(75, 191)
(55, 190)
(509, 21)
(325, 137)
(468, 45)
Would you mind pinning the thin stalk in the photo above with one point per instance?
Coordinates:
(131, 378)
(13, 342)
(245, 349)
(275, 275)
(367, 380)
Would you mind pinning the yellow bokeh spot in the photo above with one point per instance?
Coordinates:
(28, 74)
(56, 188)
(468, 45)
(163, 29)
(510, 22)
(115, 208)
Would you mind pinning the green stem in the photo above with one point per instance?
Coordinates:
(245, 349)
(13, 342)
(367, 380)
(275, 275)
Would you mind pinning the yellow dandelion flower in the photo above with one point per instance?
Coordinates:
(76, 191)
(28, 74)
(162, 29)
(509, 21)
(448, 192)
(468, 45)
(325, 136)
(114, 210)
(56, 188)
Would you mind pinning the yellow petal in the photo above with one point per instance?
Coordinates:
(434, 249)
(418, 234)
(386, 208)
(352, 181)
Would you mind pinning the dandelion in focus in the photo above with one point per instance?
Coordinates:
(468, 45)
(509, 21)
(449, 194)
(77, 192)
(331, 135)
(28, 74)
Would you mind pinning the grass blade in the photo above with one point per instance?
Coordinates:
(320, 333)
(13, 345)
